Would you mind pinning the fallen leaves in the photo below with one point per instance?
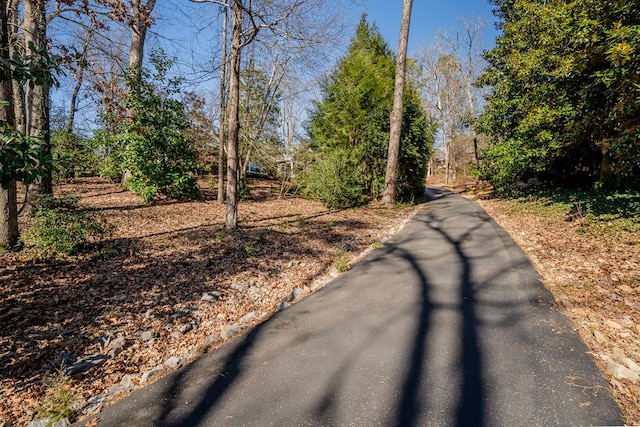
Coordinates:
(596, 281)
(142, 304)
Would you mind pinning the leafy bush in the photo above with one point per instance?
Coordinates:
(504, 164)
(111, 155)
(158, 153)
(74, 156)
(61, 227)
(336, 180)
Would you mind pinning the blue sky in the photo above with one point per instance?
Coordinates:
(427, 16)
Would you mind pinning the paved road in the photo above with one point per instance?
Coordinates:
(448, 324)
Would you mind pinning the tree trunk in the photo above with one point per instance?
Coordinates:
(37, 97)
(16, 46)
(140, 20)
(9, 233)
(223, 107)
(389, 192)
(231, 220)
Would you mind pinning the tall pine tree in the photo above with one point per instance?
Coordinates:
(353, 116)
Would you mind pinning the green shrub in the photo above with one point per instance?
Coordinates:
(341, 261)
(60, 227)
(59, 400)
(74, 156)
(111, 155)
(336, 180)
(159, 154)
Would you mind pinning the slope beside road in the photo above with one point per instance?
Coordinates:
(446, 324)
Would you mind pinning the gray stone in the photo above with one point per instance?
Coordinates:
(632, 365)
(620, 372)
(85, 364)
(211, 339)
(127, 380)
(184, 328)
(151, 373)
(65, 360)
(247, 317)
(211, 296)
(618, 353)
(148, 335)
(94, 404)
(229, 331)
(185, 311)
(48, 422)
(174, 362)
(296, 293)
(599, 336)
(240, 286)
(283, 306)
(117, 344)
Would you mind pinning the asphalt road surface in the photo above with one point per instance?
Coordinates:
(447, 324)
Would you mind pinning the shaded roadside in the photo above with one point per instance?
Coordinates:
(447, 324)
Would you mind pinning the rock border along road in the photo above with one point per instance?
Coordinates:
(447, 324)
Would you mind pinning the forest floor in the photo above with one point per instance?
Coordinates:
(175, 285)
(170, 285)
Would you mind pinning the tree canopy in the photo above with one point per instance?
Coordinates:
(353, 115)
(565, 92)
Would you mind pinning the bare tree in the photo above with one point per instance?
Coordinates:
(82, 63)
(451, 66)
(248, 21)
(389, 192)
(223, 105)
(464, 43)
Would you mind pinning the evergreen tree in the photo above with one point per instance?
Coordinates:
(565, 92)
(353, 116)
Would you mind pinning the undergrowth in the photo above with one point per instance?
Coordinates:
(59, 399)
(593, 211)
(61, 227)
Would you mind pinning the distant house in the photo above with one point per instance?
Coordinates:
(256, 169)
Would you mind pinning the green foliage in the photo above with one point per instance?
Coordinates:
(159, 155)
(243, 188)
(59, 399)
(61, 227)
(336, 179)
(38, 68)
(111, 154)
(354, 113)
(260, 116)
(251, 251)
(597, 212)
(22, 158)
(73, 156)
(341, 261)
(565, 91)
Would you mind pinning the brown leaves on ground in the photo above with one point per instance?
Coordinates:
(595, 280)
(163, 258)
